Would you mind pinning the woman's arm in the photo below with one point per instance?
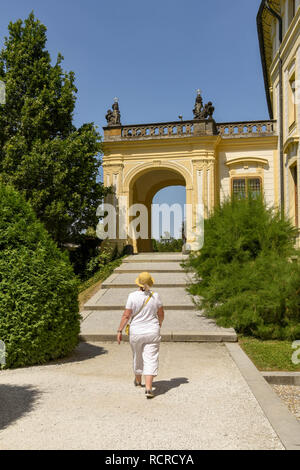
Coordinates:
(124, 320)
(161, 315)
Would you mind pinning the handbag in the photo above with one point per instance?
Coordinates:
(127, 329)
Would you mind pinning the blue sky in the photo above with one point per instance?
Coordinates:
(153, 56)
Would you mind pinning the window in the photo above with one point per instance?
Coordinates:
(292, 100)
(239, 188)
(242, 187)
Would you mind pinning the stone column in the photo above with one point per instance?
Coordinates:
(198, 200)
(189, 216)
(113, 176)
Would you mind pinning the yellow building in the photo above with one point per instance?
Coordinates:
(213, 160)
(278, 28)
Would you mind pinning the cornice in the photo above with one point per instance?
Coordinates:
(244, 143)
(172, 142)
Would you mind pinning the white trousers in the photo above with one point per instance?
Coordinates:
(145, 350)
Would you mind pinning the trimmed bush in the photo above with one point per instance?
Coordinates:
(243, 272)
(39, 318)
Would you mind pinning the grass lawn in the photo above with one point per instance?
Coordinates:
(270, 355)
(91, 286)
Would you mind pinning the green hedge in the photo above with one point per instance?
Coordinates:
(243, 272)
(39, 318)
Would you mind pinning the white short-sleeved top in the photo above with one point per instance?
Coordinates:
(146, 321)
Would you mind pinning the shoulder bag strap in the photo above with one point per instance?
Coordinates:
(144, 305)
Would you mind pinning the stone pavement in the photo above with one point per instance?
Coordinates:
(183, 322)
(208, 395)
(89, 402)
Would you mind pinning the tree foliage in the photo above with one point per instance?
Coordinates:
(54, 164)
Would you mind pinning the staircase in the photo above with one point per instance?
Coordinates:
(183, 322)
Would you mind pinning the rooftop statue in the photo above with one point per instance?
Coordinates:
(202, 112)
(209, 110)
(113, 116)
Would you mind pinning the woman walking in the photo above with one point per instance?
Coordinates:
(145, 310)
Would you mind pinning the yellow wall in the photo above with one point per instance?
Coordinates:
(204, 164)
(289, 53)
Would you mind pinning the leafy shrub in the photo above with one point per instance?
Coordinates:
(171, 245)
(90, 255)
(39, 318)
(106, 255)
(102, 274)
(243, 273)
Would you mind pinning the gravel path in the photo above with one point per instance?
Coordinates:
(290, 394)
(89, 402)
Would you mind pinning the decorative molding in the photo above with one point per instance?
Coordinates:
(203, 160)
(169, 165)
(112, 165)
(290, 141)
(245, 160)
(200, 186)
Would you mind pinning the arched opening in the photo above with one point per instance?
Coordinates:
(168, 216)
(143, 189)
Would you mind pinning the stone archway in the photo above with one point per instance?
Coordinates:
(200, 154)
(142, 188)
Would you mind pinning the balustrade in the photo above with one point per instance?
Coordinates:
(187, 129)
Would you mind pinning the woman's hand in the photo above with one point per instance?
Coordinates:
(125, 319)
(119, 337)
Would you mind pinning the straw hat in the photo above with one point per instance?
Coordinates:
(144, 279)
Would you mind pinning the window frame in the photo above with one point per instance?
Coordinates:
(246, 178)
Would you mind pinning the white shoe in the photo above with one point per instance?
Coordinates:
(149, 394)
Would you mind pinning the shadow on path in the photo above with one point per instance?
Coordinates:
(15, 402)
(83, 352)
(163, 386)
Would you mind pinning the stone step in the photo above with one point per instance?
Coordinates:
(175, 320)
(165, 267)
(172, 336)
(179, 326)
(127, 280)
(115, 299)
(156, 258)
(183, 322)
